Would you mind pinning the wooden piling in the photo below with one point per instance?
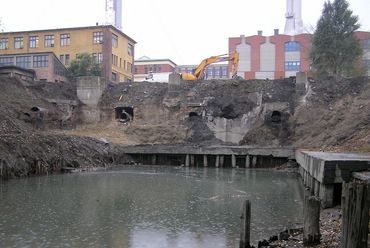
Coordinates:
(233, 160)
(311, 222)
(254, 161)
(245, 226)
(222, 160)
(247, 162)
(217, 161)
(154, 159)
(355, 215)
(187, 160)
(205, 160)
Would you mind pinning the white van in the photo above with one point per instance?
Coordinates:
(158, 77)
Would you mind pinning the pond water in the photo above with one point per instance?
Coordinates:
(147, 206)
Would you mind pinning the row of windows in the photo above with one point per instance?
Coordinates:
(216, 72)
(292, 46)
(25, 61)
(292, 66)
(33, 41)
(65, 40)
(152, 68)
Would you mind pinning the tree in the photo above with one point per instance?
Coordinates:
(83, 66)
(335, 50)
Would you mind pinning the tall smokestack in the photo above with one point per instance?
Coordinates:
(113, 13)
(293, 23)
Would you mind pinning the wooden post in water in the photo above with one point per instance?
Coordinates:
(154, 159)
(187, 160)
(355, 215)
(205, 160)
(247, 161)
(245, 233)
(254, 161)
(222, 160)
(217, 161)
(311, 222)
(233, 160)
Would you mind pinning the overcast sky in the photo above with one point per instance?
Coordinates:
(184, 31)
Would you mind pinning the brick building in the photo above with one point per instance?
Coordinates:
(213, 71)
(48, 51)
(279, 56)
(144, 65)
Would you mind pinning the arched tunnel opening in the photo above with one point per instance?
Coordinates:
(276, 116)
(124, 114)
(192, 114)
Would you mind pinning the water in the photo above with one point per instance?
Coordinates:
(147, 207)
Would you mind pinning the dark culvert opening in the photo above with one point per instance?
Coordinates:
(276, 116)
(124, 114)
(192, 114)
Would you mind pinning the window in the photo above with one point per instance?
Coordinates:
(130, 49)
(210, 72)
(114, 40)
(95, 58)
(292, 66)
(224, 71)
(100, 58)
(292, 46)
(4, 43)
(217, 72)
(159, 68)
(64, 39)
(154, 68)
(98, 38)
(40, 61)
(23, 61)
(114, 77)
(67, 59)
(6, 60)
(114, 60)
(49, 41)
(61, 58)
(18, 42)
(129, 67)
(34, 41)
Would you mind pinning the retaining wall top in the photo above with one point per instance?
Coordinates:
(329, 167)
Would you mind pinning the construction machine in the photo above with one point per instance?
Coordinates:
(199, 72)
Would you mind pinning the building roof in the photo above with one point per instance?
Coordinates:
(154, 60)
(74, 28)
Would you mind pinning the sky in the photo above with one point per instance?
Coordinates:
(185, 32)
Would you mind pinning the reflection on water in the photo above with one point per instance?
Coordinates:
(147, 207)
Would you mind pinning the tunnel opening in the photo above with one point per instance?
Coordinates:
(35, 109)
(124, 114)
(192, 114)
(276, 116)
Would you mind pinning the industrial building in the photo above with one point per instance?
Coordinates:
(49, 52)
(280, 55)
(145, 65)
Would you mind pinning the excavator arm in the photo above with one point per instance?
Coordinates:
(199, 71)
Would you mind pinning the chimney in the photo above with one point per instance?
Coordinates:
(259, 32)
(276, 31)
(243, 38)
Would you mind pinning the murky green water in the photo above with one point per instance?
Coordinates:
(146, 207)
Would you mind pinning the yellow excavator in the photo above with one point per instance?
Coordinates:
(199, 72)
